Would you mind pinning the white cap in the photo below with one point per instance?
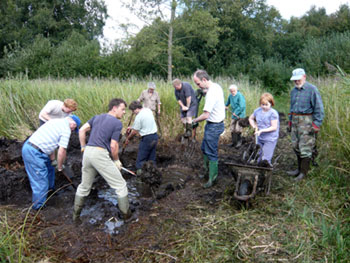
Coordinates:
(297, 74)
(151, 85)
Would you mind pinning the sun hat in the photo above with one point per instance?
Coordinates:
(297, 74)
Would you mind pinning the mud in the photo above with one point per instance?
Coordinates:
(159, 193)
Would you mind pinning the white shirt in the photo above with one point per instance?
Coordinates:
(54, 109)
(215, 103)
(52, 134)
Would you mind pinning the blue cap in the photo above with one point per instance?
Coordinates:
(76, 120)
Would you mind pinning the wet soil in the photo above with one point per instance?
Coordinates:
(160, 194)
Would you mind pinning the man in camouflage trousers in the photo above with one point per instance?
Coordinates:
(305, 118)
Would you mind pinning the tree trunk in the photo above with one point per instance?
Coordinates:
(170, 41)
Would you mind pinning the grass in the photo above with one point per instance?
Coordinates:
(306, 222)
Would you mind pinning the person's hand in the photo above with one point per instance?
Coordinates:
(195, 125)
(289, 128)
(119, 164)
(184, 108)
(82, 149)
(60, 169)
(257, 132)
(315, 127)
(158, 112)
(128, 130)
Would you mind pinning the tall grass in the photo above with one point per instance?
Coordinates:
(22, 99)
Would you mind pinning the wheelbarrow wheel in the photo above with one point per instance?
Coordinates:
(245, 188)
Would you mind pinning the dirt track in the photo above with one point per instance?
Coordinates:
(102, 236)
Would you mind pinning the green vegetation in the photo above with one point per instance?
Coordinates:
(305, 222)
(227, 38)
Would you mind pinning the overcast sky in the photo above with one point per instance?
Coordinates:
(287, 8)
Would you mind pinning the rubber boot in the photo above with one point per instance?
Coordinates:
(188, 132)
(304, 168)
(297, 171)
(213, 173)
(78, 206)
(123, 204)
(239, 140)
(205, 166)
(234, 139)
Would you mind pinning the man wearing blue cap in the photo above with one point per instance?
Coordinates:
(305, 119)
(37, 153)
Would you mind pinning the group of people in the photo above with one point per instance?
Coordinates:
(100, 153)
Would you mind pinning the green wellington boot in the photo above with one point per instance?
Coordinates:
(205, 166)
(78, 206)
(213, 173)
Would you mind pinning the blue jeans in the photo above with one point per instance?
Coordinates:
(40, 172)
(147, 150)
(210, 141)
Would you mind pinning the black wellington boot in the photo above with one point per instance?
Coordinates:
(304, 168)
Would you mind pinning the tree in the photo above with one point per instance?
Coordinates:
(164, 29)
(22, 20)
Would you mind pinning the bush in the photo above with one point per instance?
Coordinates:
(333, 49)
(274, 75)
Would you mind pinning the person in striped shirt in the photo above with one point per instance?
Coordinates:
(36, 154)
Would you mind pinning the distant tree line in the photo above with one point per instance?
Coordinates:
(228, 38)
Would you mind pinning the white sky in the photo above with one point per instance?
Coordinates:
(287, 8)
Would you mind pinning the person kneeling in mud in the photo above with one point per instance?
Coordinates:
(101, 156)
(146, 126)
(265, 121)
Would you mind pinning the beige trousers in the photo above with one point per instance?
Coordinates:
(97, 160)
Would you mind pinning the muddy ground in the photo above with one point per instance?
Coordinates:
(160, 194)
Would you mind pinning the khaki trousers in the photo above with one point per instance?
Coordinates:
(97, 160)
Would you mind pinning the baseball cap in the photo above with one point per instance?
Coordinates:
(297, 74)
(151, 85)
(76, 120)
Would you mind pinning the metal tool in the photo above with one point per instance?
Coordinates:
(126, 170)
(68, 173)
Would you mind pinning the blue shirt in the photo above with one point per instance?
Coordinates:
(263, 119)
(185, 92)
(104, 128)
(307, 100)
(237, 103)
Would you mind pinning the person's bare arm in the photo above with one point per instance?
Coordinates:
(252, 121)
(202, 117)
(114, 150)
(82, 134)
(44, 115)
(61, 157)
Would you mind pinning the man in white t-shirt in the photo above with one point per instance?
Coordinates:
(56, 109)
(146, 126)
(214, 114)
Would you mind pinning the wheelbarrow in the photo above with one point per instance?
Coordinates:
(251, 180)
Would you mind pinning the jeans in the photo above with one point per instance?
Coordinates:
(40, 172)
(147, 150)
(210, 141)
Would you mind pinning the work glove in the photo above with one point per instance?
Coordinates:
(289, 128)
(54, 163)
(119, 164)
(82, 149)
(315, 127)
(60, 169)
(194, 125)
